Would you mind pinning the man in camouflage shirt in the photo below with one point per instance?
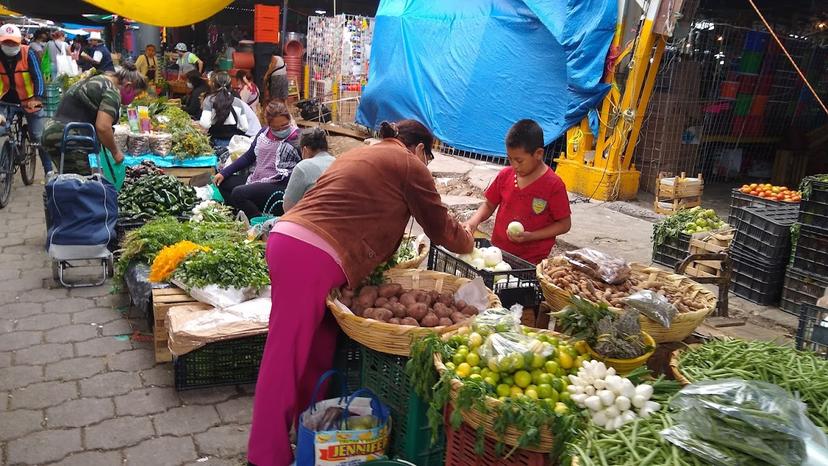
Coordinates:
(95, 100)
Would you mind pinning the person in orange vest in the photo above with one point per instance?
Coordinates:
(21, 82)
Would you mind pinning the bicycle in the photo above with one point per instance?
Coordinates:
(18, 152)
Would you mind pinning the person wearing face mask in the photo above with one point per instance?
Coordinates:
(225, 115)
(57, 47)
(274, 152)
(199, 89)
(100, 59)
(96, 100)
(21, 82)
(349, 223)
(38, 43)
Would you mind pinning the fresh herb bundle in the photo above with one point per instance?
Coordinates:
(154, 196)
(609, 334)
(226, 264)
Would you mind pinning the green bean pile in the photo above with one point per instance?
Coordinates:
(798, 372)
(637, 443)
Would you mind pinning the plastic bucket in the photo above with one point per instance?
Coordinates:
(743, 103)
(760, 102)
(751, 62)
(729, 90)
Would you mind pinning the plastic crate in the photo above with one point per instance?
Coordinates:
(812, 333)
(819, 190)
(754, 280)
(225, 362)
(765, 231)
(800, 288)
(739, 199)
(460, 450)
(814, 213)
(522, 275)
(811, 251)
(410, 439)
(348, 361)
(672, 251)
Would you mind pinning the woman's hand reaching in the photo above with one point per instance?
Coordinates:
(218, 179)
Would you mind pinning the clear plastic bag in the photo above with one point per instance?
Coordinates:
(653, 305)
(511, 351)
(738, 422)
(596, 264)
(498, 319)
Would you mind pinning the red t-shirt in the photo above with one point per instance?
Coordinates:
(536, 206)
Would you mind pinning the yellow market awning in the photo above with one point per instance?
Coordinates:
(6, 12)
(170, 13)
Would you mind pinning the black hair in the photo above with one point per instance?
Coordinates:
(409, 132)
(127, 73)
(222, 97)
(525, 134)
(314, 139)
(195, 78)
(41, 32)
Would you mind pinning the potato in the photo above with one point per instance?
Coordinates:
(417, 311)
(394, 321)
(369, 313)
(369, 291)
(366, 301)
(409, 321)
(469, 311)
(393, 299)
(347, 292)
(430, 320)
(347, 301)
(380, 302)
(435, 295)
(445, 322)
(458, 317)
(388, 290)
(446, 298)
(358, 311)
(442, 310)
(398, 309)
(407, 299)
(460, 304)
(383, 315)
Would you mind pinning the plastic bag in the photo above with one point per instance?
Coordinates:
(738, 422)
(498, 319)
(474, 293)
(511, 351)
(652, 305)
(598, 265)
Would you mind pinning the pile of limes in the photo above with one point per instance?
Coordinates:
(516, 375)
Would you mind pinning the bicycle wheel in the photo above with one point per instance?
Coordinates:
(6, 173)
(29, 163)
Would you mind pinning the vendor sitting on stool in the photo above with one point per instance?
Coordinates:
(528, 192)
(275, 152)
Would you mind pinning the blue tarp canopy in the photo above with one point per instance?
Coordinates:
(470, 69)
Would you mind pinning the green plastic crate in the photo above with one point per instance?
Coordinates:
(348, 362)
(224, 362)
(385, 375)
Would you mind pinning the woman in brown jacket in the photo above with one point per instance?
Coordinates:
(350, 222)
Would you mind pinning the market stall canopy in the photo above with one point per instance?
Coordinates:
(496, 62)
(6, 12)
(163, 12)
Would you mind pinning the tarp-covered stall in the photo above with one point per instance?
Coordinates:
(470, 69)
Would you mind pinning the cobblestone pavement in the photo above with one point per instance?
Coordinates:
(76, 388)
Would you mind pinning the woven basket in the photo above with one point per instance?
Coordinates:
(625, 366)
(422, 253)
(475, 418)
(683, 324)
(392, 338)
(674, 361)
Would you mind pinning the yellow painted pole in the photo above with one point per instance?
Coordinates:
(647, 92)
(604, 115)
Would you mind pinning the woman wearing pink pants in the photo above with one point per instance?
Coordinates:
(350, 222)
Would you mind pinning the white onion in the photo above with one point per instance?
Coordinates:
(593, 403)
(612, 411)
(644, 390)
(607, 397)
(600, 384)
(652, 406)
(622, 403)
(628, 416)
(638, 401)
(599, 419)
(492, 256)
(589, 390)
(579, 399)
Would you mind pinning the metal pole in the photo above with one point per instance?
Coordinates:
(283, 34)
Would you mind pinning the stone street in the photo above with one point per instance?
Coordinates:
(78, 386)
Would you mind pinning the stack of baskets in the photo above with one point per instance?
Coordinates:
(683, 324)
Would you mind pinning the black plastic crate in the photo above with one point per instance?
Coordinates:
(522, 275)
(814, 213)
(765, 231)
(410, 439)
(739, 199)
(811, 251)
(348, 362)
(812, 333)
(754, 280)
(819, 190)
(801, 288)
(224, 362)
(672, 251)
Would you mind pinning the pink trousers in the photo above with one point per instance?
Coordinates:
(300, 344)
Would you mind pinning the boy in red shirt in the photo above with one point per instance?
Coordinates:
(528, 192)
